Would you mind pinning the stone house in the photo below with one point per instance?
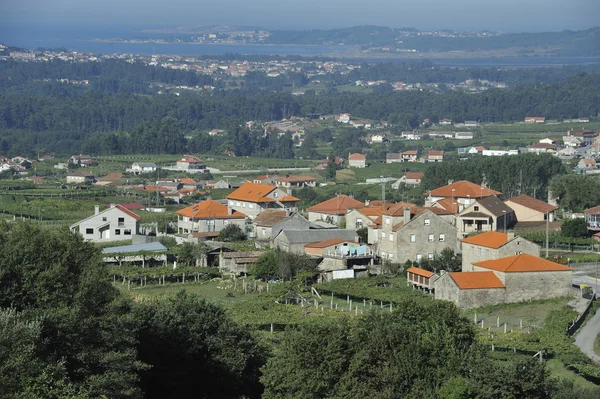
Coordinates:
(206, 217)
(420, 278)
(461, 193)
(485, 214)
(334, 209)
(295, 240)
(357, 160)
(414, 234)
(113, 224)
(270, 222)
(251, 199)
(237, 262)
(494, 245)
(470, 290)
(528, 209)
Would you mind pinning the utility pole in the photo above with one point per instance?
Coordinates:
(383, 191)
(547, 232)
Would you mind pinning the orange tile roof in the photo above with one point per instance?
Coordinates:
(410, 152)
(356, 157)
(522, 263)
(463, 189)
(337, 206)
(593, 211)
(190, 159)
(476, 280)
(490, 239)
(434, 152)
(289, 198)
(186, 180)
(325, 243)
(532, 203)
(414, 175)
(448, 205)
(253, 192)
(128, 212)
(420, 272)
(397, 209)
(210, 210)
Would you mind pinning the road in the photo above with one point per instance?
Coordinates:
(581, 277)
(587, 335)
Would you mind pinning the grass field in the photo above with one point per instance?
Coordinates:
(558, 370)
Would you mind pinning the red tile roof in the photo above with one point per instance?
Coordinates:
(435, 153)
(356, 157)
(522, 263)
(532, 203)
(420, 272)
(253, 192)
(448, 205)
(128, 212)
(325, 243)
(476, 280)
(593, 211)
(210, 210)
(490, 239)
(131, 205)
(289, 198)
(410, 152)
(414, 175)
(337, 206)
(190, 159)
(186, 180)
(463, 189)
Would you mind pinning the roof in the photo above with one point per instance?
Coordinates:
(522, 263)
(532, 203)
(190, 159)
(119, 207)
(476, 280)
(414, 175)
(131, 205)
(337, 206)
(127, 211)
(490, 239)
(593, 211)
(420, 272)
(291, 179)
(147, 246)
(356, 157)
(210, 209)
(253, 192)
(410, 152)
(493, 204)
(270, 217)
(325, 243)
(288, 198)
(186, 180)
(463, 189)
(316, 235)
(393, 155)
(448, 205)
(113, 175)
(434, 152)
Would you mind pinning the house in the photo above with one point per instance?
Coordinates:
(357, 160)
(499, 153)
(220, 184)
(409, 156)
(470, 123)
(420, 278)
(494, 245)
(411, 135)
(251, 199)
(535, 119)
(592, 217)
(295, 240)
(295, 181)
(413, 234)
(190, 163)
(142, 167)
(216, 132)
(377, 138)
(445, 121)
(270, 222)
(587, 164)
(434, 156)
(548, 140)
(464, 135)
(511, 279)
(485, 214)
(540, 148)
(113, 224)
(529, 209)
(334, 209)
(370, 214)
(265, 179)
(81, 160)
(461, 193)
(237, 262)
(80, 177)
(583, 120)
(341, 258)
(343, 118)
(208, 216)
(410, 179)
(393, 157)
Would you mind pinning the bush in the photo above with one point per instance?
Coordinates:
(575, 228)
(232, 232)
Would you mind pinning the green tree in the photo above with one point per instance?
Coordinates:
(575, 228)
(232, 232)
(265, 266)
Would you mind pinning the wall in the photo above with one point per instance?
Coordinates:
(469, 299)
(353, 215)
(446, 289)
(537, 285)
(475, 253)
(525, 214)
(316, 216)
(110, 218)
(185, 225)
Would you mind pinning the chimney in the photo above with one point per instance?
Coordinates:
(287, 212)
(406, 215)
(367, 202)
(96, 209)
(511, 235)
(229, 211)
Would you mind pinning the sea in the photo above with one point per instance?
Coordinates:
(98, 40)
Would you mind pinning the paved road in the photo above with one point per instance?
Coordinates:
(581, 277)
(587, 335)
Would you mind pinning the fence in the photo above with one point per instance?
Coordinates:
(577, 323)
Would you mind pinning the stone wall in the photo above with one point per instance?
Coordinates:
(469, 299)
(475, 253)
(537, 285)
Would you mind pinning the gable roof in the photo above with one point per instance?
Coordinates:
(118, 207)
(337, 206)
(292, 179)
(356, 157)
(463, 189)
(126, 211)
(252, 192)
(414, 175)
(490, 239)
(210, 209)
(316, 235)
(522, 263)
(420, 272)
(532, 203)
(593, 211)
(325, 243)
(493, 204)
(447, 205)
(270, 217)
(476, 280)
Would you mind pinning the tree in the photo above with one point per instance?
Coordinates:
(363, 234)
(330, 172)
(265, 266)
(189, 254)
(232, 232)
(575, 228)
(195, 350)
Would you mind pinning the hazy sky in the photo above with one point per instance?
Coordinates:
(506, 15)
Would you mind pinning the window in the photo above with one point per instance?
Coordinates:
(476, 208)
(121, 221)
(250, 205)
(430, 256)
(430, 238)
(275, 194)
(104, 218)
(391, 256)
(264, 231)
(230, 203)
(419, 257)
(89, 231)
(413, 238)
(243, 205)
(226, 222)
(442, 237)
(518, 253)
(427, 222)
(117, 232)
(127, 232)
(391, 236)
(480, 252)
(383, 235)
(383, 254)
(387, 221)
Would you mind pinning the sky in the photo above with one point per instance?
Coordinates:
(460, 15)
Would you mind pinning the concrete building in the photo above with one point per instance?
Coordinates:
(113, 224)
(434, 156)
(270, 222)
(295, 240)
(409, 156)
(494, 245)
(80, 177)
(208, 217)
(393, 157)
(341, 258)
(334, 209)
(251, 199)
(190, 163)
(485, 214)
(528, 209)
(142, 167)
(294, 181)
(357, 160)
(459, 195)
(410, 179)
(463, 135)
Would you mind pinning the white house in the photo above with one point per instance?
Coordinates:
(113, 224)
(142, 167)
